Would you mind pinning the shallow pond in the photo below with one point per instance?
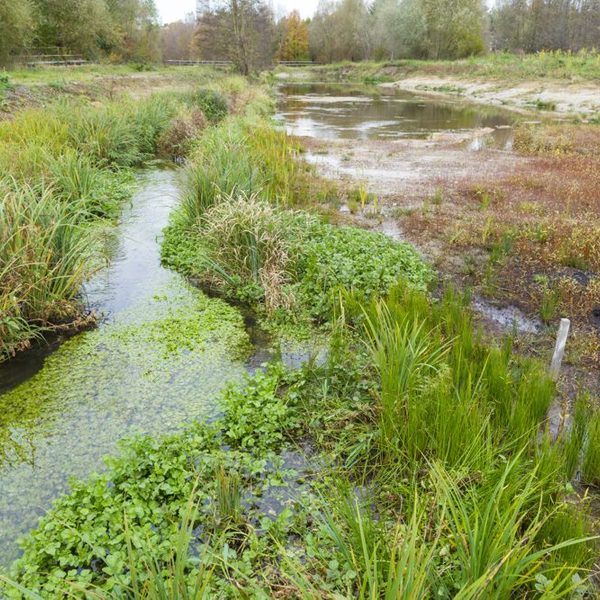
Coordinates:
(344, 111)
(161, 354)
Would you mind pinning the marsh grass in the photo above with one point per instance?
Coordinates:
(46, 254)
(243, 156)
(388, 564)
(66, 166)
(433, 368)
(406, 355)
(590, 470)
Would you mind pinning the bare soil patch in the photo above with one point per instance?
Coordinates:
(558, 97)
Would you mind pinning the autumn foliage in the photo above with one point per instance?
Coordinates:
(294, 43)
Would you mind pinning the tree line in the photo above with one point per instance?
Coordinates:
(119, 30)
(533, 25)
(247, 33)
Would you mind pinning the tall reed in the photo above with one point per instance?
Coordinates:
(45, 256)
(243, 156)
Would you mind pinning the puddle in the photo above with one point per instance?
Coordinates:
(326, 111)
(391, 228)
(507, 318)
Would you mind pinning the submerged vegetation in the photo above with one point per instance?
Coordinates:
(416, 460)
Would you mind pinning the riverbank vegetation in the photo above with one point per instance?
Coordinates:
(66, 171)
(504, 66)
(416, 460)
(240, 232)
(428, 475)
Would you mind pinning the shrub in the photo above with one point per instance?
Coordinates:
(177, 140)
(212, 103)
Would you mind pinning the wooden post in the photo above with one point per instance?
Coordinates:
(559, 351)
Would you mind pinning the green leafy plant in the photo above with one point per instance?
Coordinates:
(212, 103)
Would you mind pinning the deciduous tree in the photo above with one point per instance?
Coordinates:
(16, 28)
(237, 30)
(177, 39)
(294, 44)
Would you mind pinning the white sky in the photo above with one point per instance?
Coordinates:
(174, 10)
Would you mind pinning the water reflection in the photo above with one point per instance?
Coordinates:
(327, 111)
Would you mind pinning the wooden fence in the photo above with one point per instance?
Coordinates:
(52, 59)
(228, 63)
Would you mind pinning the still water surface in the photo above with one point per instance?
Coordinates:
(344, 111)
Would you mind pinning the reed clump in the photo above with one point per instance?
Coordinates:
(45, 256)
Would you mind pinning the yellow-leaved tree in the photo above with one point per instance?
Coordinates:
(294, 44)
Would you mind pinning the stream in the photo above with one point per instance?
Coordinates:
(163, 350)
(160, 356)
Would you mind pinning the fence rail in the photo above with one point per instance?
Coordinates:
(223, 63)
(297, 63)
(38, 60)
(192, 63)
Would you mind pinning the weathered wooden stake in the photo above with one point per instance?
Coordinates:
(559, 351)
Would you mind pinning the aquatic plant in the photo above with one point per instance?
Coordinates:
(370, 264)
(487, 517)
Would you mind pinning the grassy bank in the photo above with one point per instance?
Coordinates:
(66, 170)
(416, 461)
(434, 479)
(505, 67)
(240, 230)
(37, 87)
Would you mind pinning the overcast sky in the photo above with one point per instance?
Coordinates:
(173, 10)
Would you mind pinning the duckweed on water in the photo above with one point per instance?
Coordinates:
(148, 371)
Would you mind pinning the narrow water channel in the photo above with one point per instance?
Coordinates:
(160, 357)
(163, 350)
